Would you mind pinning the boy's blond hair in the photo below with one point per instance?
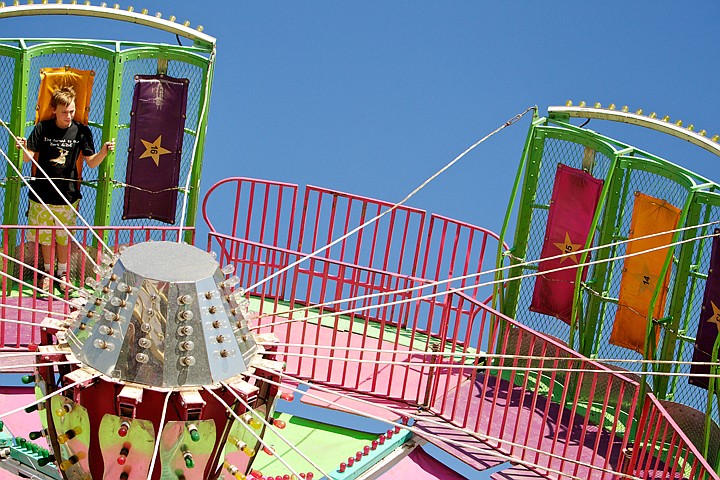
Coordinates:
(62, 96)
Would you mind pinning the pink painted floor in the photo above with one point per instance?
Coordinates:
(500, 409)
(420, 466)
(389, 381)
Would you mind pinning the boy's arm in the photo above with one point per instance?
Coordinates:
(27, 155)
(96, 159)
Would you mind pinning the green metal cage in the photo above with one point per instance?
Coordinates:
(115, 65)
(553, 140)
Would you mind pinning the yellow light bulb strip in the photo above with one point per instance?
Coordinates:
(103, 10)
(651, 121)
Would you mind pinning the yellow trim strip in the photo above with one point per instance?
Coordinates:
(640, 120)
(109, 13)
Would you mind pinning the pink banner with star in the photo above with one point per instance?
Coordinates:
(157, 127)
(709, 321)
(641, 273)
(573, 203)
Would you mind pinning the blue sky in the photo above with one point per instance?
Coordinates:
(373, 97)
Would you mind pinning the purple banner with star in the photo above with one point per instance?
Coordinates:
(157, 124)
(574, 199)
(709, 319)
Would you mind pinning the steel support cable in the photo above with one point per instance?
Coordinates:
(431, 284)
(30, 354)
(391, 209)
(484, 284)
(34, 310)
(34, 287)
(509, 368)
(18, 322)
(156, 447)
(48, 396)
(115, 183)
(36, 270)
(250, 430)
(425, 434)
(206, 101)
(29, 365)
(275, 431)
(479, 355)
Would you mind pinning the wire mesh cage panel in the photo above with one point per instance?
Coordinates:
(555, 151)
(115, 67)
(676, 307)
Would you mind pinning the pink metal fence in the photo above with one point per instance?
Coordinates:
(529, 396)
(456, 249)
(442, 350)
(268, 209)
(22, 308)
(390, 244)
(346, 319)
(660, 448)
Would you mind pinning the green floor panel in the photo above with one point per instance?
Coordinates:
(326, 445)
(345, 323)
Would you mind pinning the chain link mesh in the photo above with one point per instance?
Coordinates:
(7, 67)
(557, 151)
(658, 187)
(679, 388)
(82, 56)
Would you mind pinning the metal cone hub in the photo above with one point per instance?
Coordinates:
(164, 315)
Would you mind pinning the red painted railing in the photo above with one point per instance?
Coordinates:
(531, 397)
(265, 212)
(268, 209)
(390, 244)
(518, 391)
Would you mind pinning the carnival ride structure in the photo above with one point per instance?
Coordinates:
(332, 335)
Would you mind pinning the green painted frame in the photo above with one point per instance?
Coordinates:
(116, 53)
(700, 196)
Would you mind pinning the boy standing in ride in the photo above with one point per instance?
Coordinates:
(56, 144)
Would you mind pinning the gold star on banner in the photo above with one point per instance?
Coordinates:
(645, 280)
(568, 248)
(154, 150)
(715, 318)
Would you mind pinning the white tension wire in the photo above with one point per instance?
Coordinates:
(400, 203)
(496, 270)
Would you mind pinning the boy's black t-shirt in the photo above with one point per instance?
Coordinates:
(58, 150)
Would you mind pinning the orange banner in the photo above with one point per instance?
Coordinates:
(53, 78)
(641, 273)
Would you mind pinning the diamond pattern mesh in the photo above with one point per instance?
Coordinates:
(556, 151)
(7, 67)
(692, 315)
(81, 57)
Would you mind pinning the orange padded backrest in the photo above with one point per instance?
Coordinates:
(53, 78)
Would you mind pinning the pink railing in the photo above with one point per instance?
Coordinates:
(268, 209)
(22, 308)
(390, 244)
(529, 396)
(659, 437)
(265, 212)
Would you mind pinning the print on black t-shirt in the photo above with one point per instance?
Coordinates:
(59, 149)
